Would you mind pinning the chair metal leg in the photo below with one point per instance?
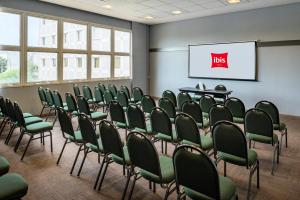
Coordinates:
(48, 114)
(83, 160)
(132, 187)
(19, 141)
(103, 175)
(99, 173)
(154, 187)
(11, 131)
(126, 185)
(31, 136)
(273, 159)
(51, 142)
(166, 148)
(162, 146)
(62, 150)
(3, 126)
(286, 136)
(257, 174)
(224, 168)
(79, 149)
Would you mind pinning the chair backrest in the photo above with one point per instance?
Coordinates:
(3, 106)
(168, 106)
(181, 98)
(42, 95)
(229, 138)
(193, 109)
(269, 108)
(57, 99)
(65, 122)
(110, 139)
(76, 90)
(87, 92)
(19, 115)
(108, 97)
(219, 112)
(196, 171)
(116, 112)
(137, 94)
(206, 102)
(83, 105)
(87, 130)
(170, 95)
(219, 88)
(10, 110)
(125, 89)
(71, 102)
(98, 94)
(122, 98)
(142, 153)
(147, 103)
(236, 107)
(160, 122)
(258, 122)
(186, 128)
(102, 87)
(136, 117)
(113, 89)
(49, 97)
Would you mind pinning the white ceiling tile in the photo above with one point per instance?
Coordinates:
(152, 3)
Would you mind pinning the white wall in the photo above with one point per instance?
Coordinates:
(278, 67)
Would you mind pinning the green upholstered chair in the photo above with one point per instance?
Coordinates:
(76, 90)
(99, 100)
(162, 128)
(125, 89)
(171, 96)
(122, 99)
(4, 165)
(181, 98)
(219, 98)
(114, 150)
(13, 186)
(272, 110)
(193, 109)
(69, 135)
(117, 116)
(188, 133)
(58, 102)
(71, 104)
(205, 103)
(167, 105)
(50, 102)
(113, 89)
(43, 99)
(197, 177)
(259, 128)
(108, 97)
(102, 87)
(137, 95)
(83, 107)
(152, 167)
(137, 121)
(237, 109)
(219, 112)
(147, 104)
(230, 145)
(88, 95)
(32, 130)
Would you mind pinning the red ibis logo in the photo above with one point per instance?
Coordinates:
(219, 60)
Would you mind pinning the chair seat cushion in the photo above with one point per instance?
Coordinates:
(261, 138)
(147, 131)
(167, 171)
(27, 115)
(205, 115)
(206, 141)
(252, 158)
(165, 137)
(76, 138)
(238, 120)
(120, 160)
(32, 120)
(98, 115)
(94, 147)
(4, 165)
(13, 186)
(121, 125)
(205, 124)
(279, 127)
(39, 127)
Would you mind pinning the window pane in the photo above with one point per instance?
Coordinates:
(41, 67)
(122, 66)
(11, 24)
(122, 41)
(42, 32)
(100, 39)
(100, 66)
(74, 66)
(75, 36)
(9, 67)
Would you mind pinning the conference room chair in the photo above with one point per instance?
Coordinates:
(42, 97)
(162, 128)
(259, 128)
(98, 99)
(157, 169)
(168, 106)
(113, 89)
(58, 102)
(196, 97)
(117, 116)
(108, 97)
(69, 135)
(88, 95)
(272, 110)
(71, 104)
(188, 133)
(114, 151)
(171, 96)
(102, 87)
(230, 146)
(137, 95)
(197, 176)
(193, 109)
(219, 112)
(137, 121)
(32, 130)
(147, 104)
(122, 99)
(83, 107)
(125, 89)
(50, 102)
(76, 90)
(205, 103)
(91, 142)
(219, 98)
(181, 98)
(237, 109)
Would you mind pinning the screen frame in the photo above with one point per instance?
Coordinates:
(219, 78)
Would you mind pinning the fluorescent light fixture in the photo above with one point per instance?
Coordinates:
(107, 6)
(177, 12)
(233, 1)
(149, 17)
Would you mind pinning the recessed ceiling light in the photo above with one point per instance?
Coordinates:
(233, 1)
(176, 12)
(149, 17)
(107, 6)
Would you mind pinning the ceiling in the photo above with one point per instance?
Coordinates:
(161, 10)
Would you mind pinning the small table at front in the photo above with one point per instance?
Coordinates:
(224, 94)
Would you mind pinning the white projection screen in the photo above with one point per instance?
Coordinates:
(223, 61)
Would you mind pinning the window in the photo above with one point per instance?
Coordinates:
(65, 37)
(40, 66)
(122, 66)
(77, 68)
(53, 39)
(75, 31)
(43, 41)
(101, 66)
(79, 35)
(11, 35)
(122, 41)
(66, 62)
(101, 38)
(9, 67)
